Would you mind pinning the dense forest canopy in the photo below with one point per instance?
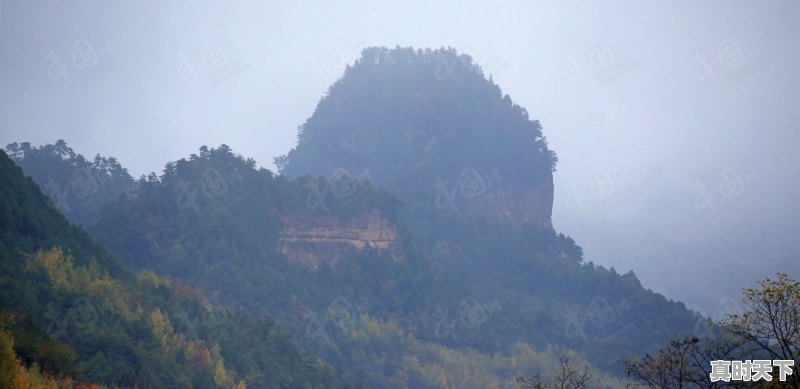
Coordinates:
(213, 220)
(449, 194)
(469, 286)
(70, 309)
(412, 116)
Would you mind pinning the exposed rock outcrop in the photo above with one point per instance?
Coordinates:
(517, 206)
(312, 240)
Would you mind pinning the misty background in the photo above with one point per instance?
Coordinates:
(675, 123)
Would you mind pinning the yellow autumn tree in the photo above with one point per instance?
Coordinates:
(162, 329)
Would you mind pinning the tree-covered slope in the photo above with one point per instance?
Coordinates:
(78, 187)
(215, 221)
(71, 310)
(434, 131)
(474, 266)
(474, 175)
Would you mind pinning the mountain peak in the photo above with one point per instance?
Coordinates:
(430, 127)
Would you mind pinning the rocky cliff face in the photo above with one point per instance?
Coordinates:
(517, 207)
(312, 240)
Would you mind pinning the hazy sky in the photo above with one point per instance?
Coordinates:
(675, 122)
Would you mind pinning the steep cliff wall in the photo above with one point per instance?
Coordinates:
(517, 206)
(312, 239)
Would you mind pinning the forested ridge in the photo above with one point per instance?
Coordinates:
(353, 313)
(473, 295)
(71, 312)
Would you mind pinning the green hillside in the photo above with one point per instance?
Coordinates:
(445, 186)
(73, 311)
